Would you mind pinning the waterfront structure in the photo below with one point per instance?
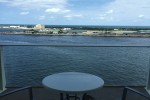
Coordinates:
(39, 26)
(5, 27)
(94, 32)
(91, 32)
(49, 31)
(122, 32)
(41, 30)
(29, 31)
(143, 31)
(15, 27)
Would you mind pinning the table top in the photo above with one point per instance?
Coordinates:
(73, 82)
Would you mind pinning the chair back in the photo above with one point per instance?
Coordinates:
(124, 95)
(2, 95)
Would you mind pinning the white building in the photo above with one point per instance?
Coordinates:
(14, 26)
(66, 29)
(39, 26)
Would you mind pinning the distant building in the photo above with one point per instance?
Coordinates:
(14, 26)
(116, 29)
(143, 31)
(39, 26)
(66, 29)
(55, 31)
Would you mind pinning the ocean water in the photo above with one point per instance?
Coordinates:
(10, 30)
(118, 66)
(79, 26)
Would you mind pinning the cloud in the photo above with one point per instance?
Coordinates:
(41, 17)
(141, 16)
(101, 18)
(71, 16)
(36, 4)
(57, 10)
(110, 11)
(68, 16)
(24, 13)
(77, 15)
(128, 8)
(105, 16)
(65, 11)
(51, 17)
(102, 15)
(4, 1)
(53, 10)
(124, 12)
(111, 19)
(121, 12)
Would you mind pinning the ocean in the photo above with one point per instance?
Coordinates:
(117, 66)
(79, 26)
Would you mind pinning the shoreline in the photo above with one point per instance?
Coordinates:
(95, 35)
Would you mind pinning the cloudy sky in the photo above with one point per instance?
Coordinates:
(75, 12)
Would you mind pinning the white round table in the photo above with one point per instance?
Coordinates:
(72, 82)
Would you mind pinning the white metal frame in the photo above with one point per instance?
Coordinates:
(148, 80)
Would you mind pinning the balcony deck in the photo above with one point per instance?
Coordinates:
(105, 93)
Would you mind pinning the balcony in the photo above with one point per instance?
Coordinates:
(119, 66)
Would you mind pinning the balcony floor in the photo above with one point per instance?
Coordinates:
(105, 93)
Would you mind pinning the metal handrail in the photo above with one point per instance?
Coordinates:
(17, 90)
(65, 45)
(135, 91)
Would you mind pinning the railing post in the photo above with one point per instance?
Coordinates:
(31, 93)
(124, 94)
(148, 80)
(2, 71)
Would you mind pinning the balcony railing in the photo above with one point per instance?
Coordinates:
(2, 46)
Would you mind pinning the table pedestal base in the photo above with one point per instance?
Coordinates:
(69, 97)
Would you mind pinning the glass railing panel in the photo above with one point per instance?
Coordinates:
(118, 66)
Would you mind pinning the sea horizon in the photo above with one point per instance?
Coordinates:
(88, 26)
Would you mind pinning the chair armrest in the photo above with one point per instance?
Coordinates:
(17, 90)
(133, 90)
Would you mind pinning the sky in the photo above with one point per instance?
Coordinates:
(76, 12)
